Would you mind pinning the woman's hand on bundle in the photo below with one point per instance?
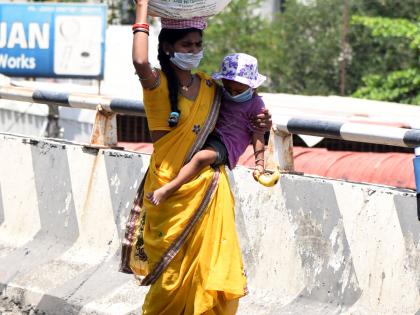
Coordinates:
(259, 169)
(262, 121)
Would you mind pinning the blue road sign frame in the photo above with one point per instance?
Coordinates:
(33, 43)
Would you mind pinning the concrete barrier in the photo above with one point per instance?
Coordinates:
(311, 245)
(64, 208)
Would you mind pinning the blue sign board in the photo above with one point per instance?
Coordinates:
(52, 40)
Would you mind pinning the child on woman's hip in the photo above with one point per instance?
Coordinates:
(233, 131)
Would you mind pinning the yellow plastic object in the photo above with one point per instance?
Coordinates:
(269, 179)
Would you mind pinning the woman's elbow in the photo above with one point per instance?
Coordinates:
(139, 63)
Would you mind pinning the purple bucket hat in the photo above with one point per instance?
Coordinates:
(242, 68)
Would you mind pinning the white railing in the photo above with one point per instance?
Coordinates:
(104, 131)
(280, 147)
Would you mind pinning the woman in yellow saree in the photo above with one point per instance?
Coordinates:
(194, 261)
(187, 247)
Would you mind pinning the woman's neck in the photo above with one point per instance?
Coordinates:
(188, 87)
(184, 76)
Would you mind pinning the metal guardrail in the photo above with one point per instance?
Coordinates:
(104, 131)
(283, 126)
(280, 148)
(360, 132)
(74, 100)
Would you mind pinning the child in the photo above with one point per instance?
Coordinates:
(233, 131)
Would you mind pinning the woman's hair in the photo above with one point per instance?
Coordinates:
(171, 36)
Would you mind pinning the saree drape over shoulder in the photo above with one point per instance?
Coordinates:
(187, 247)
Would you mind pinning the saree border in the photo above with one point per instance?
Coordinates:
(128, 240)
(180, 240)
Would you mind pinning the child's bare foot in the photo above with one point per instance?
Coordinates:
(158, 196)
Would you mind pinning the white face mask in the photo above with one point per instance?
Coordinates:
(187, 61)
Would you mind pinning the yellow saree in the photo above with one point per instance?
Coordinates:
(187, 247)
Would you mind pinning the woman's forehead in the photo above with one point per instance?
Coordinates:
(192, 37)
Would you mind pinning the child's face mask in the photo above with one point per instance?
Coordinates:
(240, 98)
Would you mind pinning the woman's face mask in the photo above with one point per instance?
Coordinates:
(240, 98)
(187, 61)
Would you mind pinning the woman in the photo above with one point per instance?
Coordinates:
(186, 247)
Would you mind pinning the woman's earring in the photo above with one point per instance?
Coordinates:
(167, 53)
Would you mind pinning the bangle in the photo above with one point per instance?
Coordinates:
(143, 30)
(141, 25)
(144, 25)
(154, 75)
(140, 28)
(259, 151)
(257, 160)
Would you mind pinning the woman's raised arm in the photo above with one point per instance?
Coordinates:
(148, 77)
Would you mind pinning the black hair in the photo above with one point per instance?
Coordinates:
(171, 36)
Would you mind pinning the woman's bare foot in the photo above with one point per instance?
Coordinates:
(158, 196)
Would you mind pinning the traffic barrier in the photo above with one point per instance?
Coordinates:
(311, 245)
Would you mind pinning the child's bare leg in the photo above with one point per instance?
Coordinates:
(201, 159)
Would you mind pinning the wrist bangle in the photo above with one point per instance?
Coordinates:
(259, 151)
(141, 25)
(141, 30)
(257, 160)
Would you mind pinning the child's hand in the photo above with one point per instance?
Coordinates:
(262, 121)
(259, 169)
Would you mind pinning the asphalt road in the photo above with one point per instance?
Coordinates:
(10, 306)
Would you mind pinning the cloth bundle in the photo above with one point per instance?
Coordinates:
(186, 9)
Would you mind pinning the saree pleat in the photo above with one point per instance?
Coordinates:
(194, 262)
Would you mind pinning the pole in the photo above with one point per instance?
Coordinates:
(344, 49)
(416, 162)
(53, 129)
